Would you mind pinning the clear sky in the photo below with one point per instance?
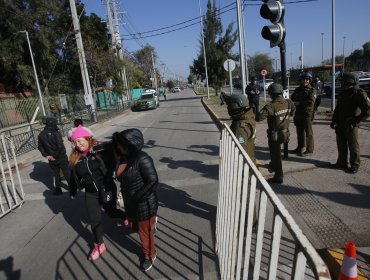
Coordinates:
(304, 21)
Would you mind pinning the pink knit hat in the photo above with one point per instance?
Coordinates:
(81, 131)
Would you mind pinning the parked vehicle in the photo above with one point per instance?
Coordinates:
(147, 101)
(156, 95)
(176, 89)
(268, 82)
(364, 83)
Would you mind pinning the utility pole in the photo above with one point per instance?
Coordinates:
(333, 54)
(301, 55)
(35, 72)
(322, 48)
(89, 100)
(154, 74)
(119, 44)
(344, 41)
(204, 47)
(241, 43)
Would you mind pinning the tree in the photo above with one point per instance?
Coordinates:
(170, 84)
(258, 62)
(218, 47)
(145, 62)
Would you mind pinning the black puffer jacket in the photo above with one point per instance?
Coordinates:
(50, 143)
(139, 180)
(88, 173)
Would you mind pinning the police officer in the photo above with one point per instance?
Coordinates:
(253, 93)
(352, 107)
(304, 98)
(243, 122)
(278, 113)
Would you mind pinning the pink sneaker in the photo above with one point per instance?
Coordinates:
(97, 251)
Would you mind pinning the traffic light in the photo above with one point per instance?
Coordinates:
(273, 11)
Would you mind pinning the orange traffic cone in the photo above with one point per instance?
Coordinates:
(349, 265)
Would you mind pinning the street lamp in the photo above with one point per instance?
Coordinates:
(344, 41)
(34, 69)
(322, 48)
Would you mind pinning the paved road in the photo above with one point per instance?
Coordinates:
(49, 238)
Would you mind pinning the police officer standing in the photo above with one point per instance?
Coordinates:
(278, 113)
(304, 98)
(243, 122)
(253, 93)
(352, 107)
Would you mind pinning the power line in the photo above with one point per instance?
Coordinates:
(139, 34)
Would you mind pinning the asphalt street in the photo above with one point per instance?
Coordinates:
(49, 237)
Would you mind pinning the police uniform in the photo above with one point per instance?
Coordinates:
(304, 98)
(352, 107)
(253, 95)
(278, 113)
(244, 129)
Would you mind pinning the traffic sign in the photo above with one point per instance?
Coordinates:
(263, 72)
(229, 65)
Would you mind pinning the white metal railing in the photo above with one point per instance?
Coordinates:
(245, 250)
(11, 191)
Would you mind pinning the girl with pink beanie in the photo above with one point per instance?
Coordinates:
(88, 172)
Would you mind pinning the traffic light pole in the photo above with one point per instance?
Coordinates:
(283, 82)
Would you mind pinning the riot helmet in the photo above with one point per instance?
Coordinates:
(253, 80)
(275, 89)
(305, 75)
(350, 78)
(236, 104)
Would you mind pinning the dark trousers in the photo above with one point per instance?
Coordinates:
(305, 134)
(347, 139)
(254, 101)
(146, 235)
(61, 165)
(276, 162)
(94, 213)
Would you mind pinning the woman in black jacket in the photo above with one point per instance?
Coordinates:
(139, 180)
(88, 172)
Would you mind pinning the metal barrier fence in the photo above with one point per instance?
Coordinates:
(24, 136)
(11, 193)
(271, 247)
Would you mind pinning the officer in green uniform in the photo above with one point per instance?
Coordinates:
(352, 107)
(278, 113)
(243, 122)
(304, 98)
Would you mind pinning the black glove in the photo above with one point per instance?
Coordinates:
(332, 124)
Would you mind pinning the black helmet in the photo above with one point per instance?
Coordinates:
(275, 89)
(236, 104)
(350, 78)
(253, 79)
(305, 75)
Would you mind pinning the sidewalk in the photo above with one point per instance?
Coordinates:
(330, 206)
